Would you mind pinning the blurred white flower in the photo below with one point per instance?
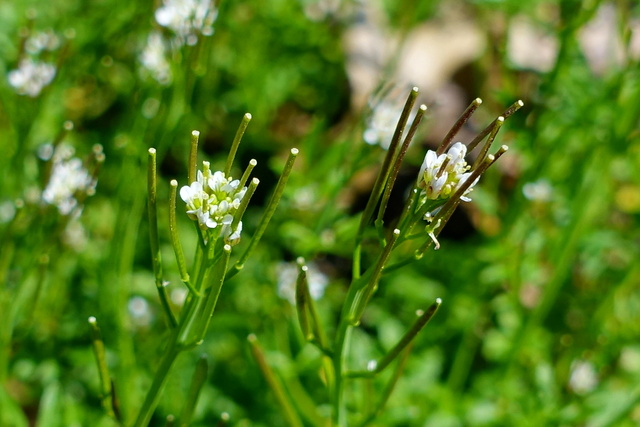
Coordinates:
(317, 10)
(7, 211)
(75, 236)
(583, 378)
(140, 312)
(440, 176)
(212, 200)
(382, 123)
(154, 59)
(539, 190)
(31, 77)
(42, 41)
(178, 296)
(187, 18)
(288, 275)
(68, 178)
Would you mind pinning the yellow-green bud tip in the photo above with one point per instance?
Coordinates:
(195, 133)
(152, 151)
(248, 116)
(295, 151)
(68, 125)
(173, 183)
(438, 301)
(92, 320)
(252, 338)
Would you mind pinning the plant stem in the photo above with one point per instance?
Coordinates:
(160, 379)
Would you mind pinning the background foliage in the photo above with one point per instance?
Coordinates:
(539, 293)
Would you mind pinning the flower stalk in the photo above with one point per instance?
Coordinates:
(444, 181)
(216, 203)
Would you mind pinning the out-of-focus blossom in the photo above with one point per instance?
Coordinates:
(68, 178)
(583, 377)
(187, 19)
(154, 59)
(288, 274)
(31, 77)
(42, 41)
(7, 211)
(140, 311)
(381, 124)
(539, 190)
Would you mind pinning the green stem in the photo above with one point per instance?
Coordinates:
(283, 400)
(159, 381)
(197, 381)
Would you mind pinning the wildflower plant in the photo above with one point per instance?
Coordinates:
(216, 203)
(36, 68)
(446, 179)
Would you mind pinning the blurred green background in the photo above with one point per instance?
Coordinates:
(538, 275)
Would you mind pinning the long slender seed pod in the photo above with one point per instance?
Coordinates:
(446, 142)
(156, 257)
(103, 370)
(175, 240)
(236, 143)
(193, 157)
(268, 213)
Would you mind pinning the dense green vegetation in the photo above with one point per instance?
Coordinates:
(538, 274)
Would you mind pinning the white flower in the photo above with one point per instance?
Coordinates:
(154, 59)
(31, 77)
(140, 311)
(7, 211)
(213, 200)
(187, 18)
(440, 176)
(41, 41)
(68, 178)
(288, 275)
(583, 378)
(539, 190)
(382, 124)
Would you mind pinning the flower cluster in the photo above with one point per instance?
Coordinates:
(68, 178)
(33, 74)
(213, 200)
(154, 59)
(187, 19)
(441, 175)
